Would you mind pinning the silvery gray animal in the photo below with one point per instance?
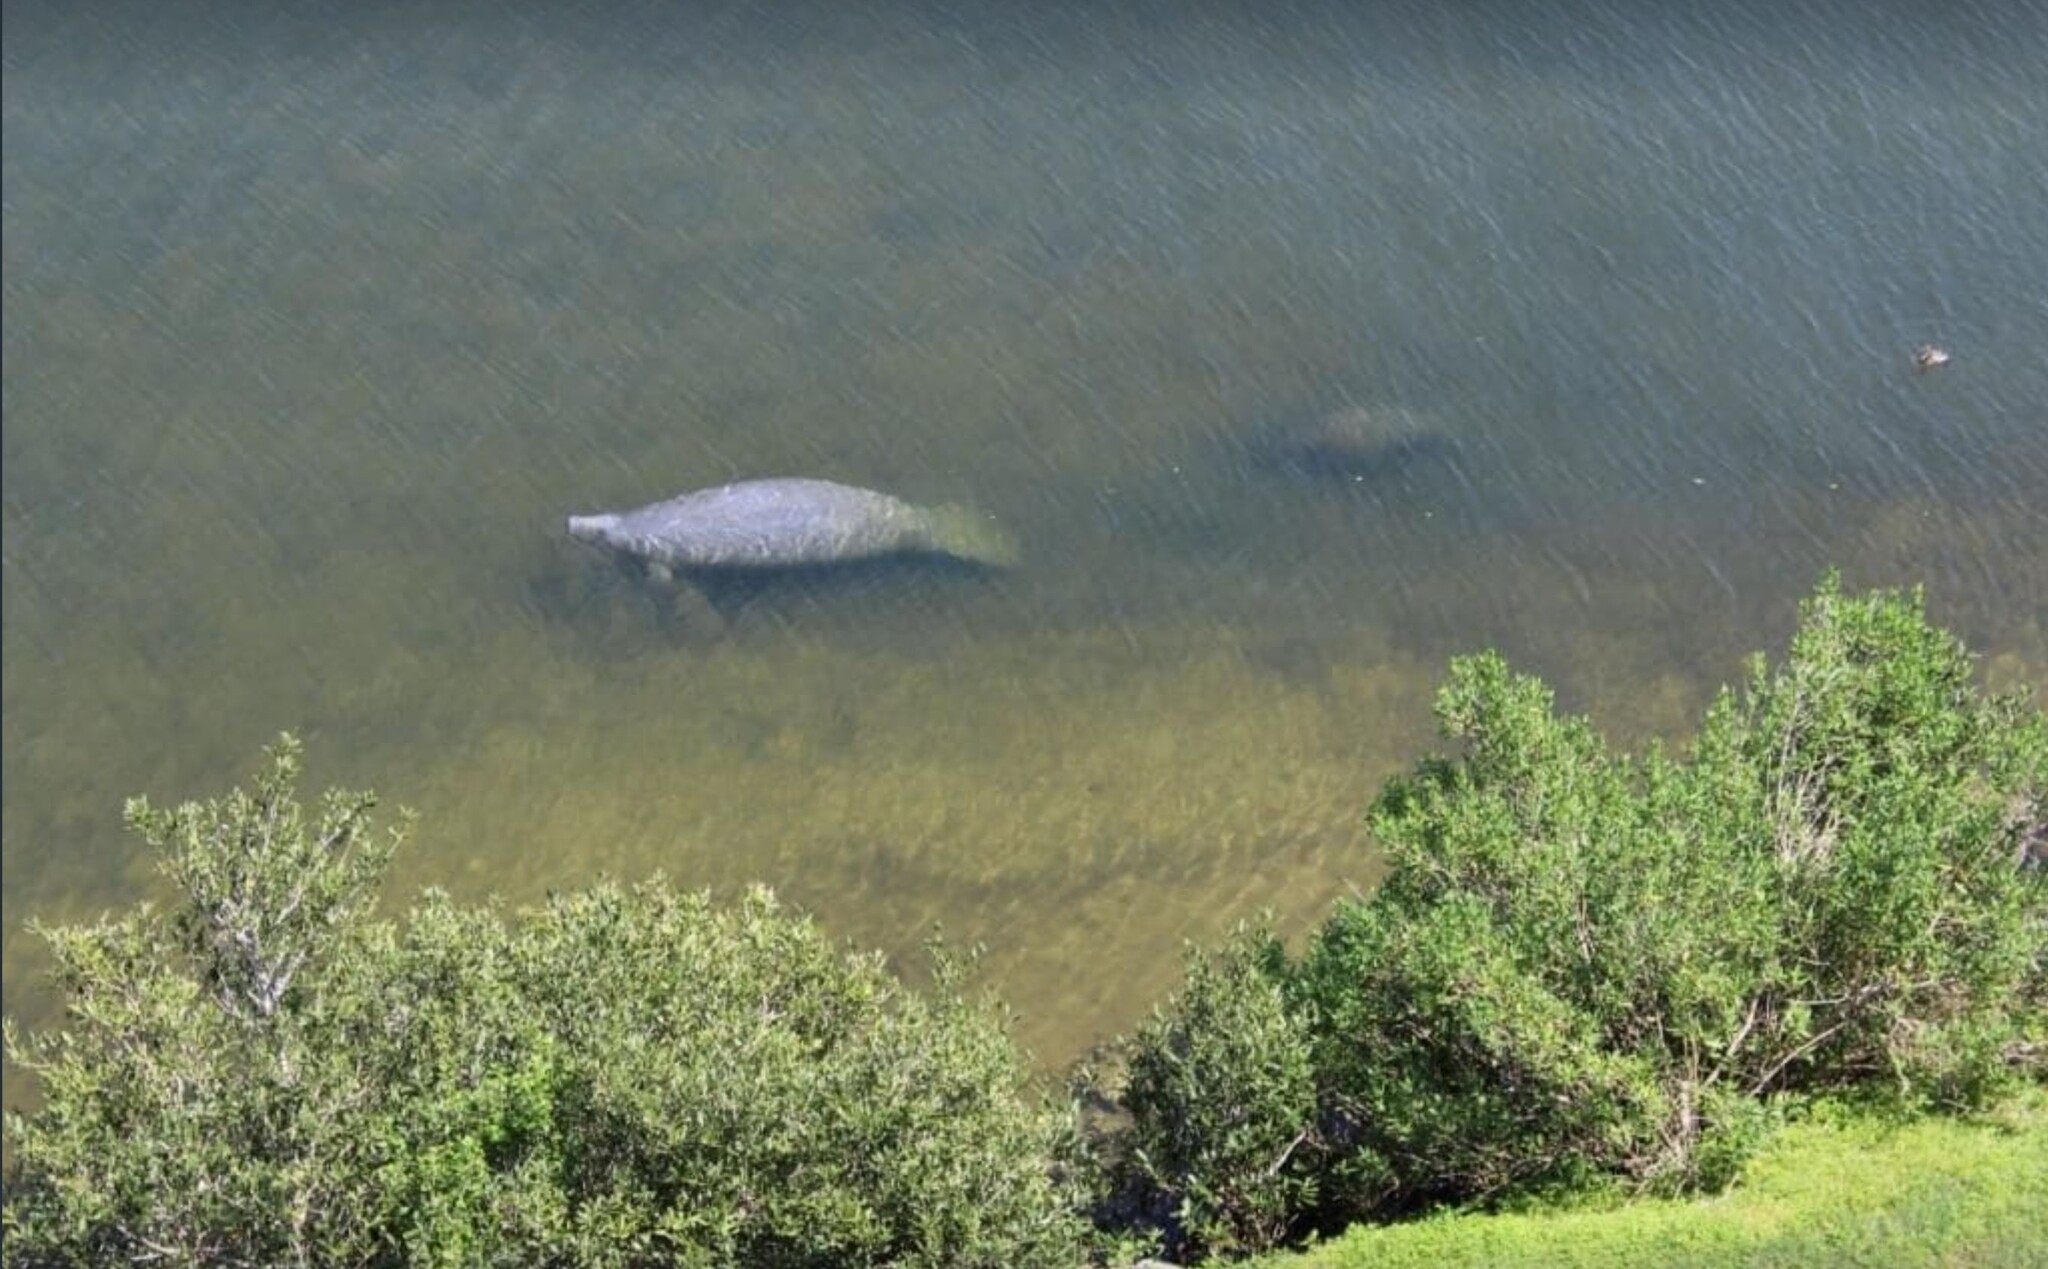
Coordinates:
(784, 523)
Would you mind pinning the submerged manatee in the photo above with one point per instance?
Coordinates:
(787, 523)
(1357, 443)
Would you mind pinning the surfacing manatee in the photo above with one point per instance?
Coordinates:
(790, 523)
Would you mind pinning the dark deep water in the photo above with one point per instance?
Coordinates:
(319, 318)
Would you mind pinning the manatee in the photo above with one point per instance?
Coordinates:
(789, 523)
(1356, 443)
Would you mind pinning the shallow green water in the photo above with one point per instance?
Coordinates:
(316, 327)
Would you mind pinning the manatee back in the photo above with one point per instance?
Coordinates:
(761, 524)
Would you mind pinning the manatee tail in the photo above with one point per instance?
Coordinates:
(970, 535)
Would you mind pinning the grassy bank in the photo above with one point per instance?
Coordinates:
(1852, 1191)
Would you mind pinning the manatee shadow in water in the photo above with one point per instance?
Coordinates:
(908, 577)
(582, 586)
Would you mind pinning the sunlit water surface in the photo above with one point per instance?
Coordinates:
(319, 318)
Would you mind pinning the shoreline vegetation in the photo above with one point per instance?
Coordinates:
(1843, 1187)
(1777, 996)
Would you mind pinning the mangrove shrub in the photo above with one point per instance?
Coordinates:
(1221, 1098)
(263, 1073)
(1584, 966)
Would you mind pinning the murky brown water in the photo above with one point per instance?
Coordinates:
(316, 326)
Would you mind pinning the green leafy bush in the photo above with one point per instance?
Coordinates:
(1222, 1104)
(1583, 964)
(628, 1076)
(1585, 967)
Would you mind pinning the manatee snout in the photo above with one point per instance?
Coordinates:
(592, 528)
